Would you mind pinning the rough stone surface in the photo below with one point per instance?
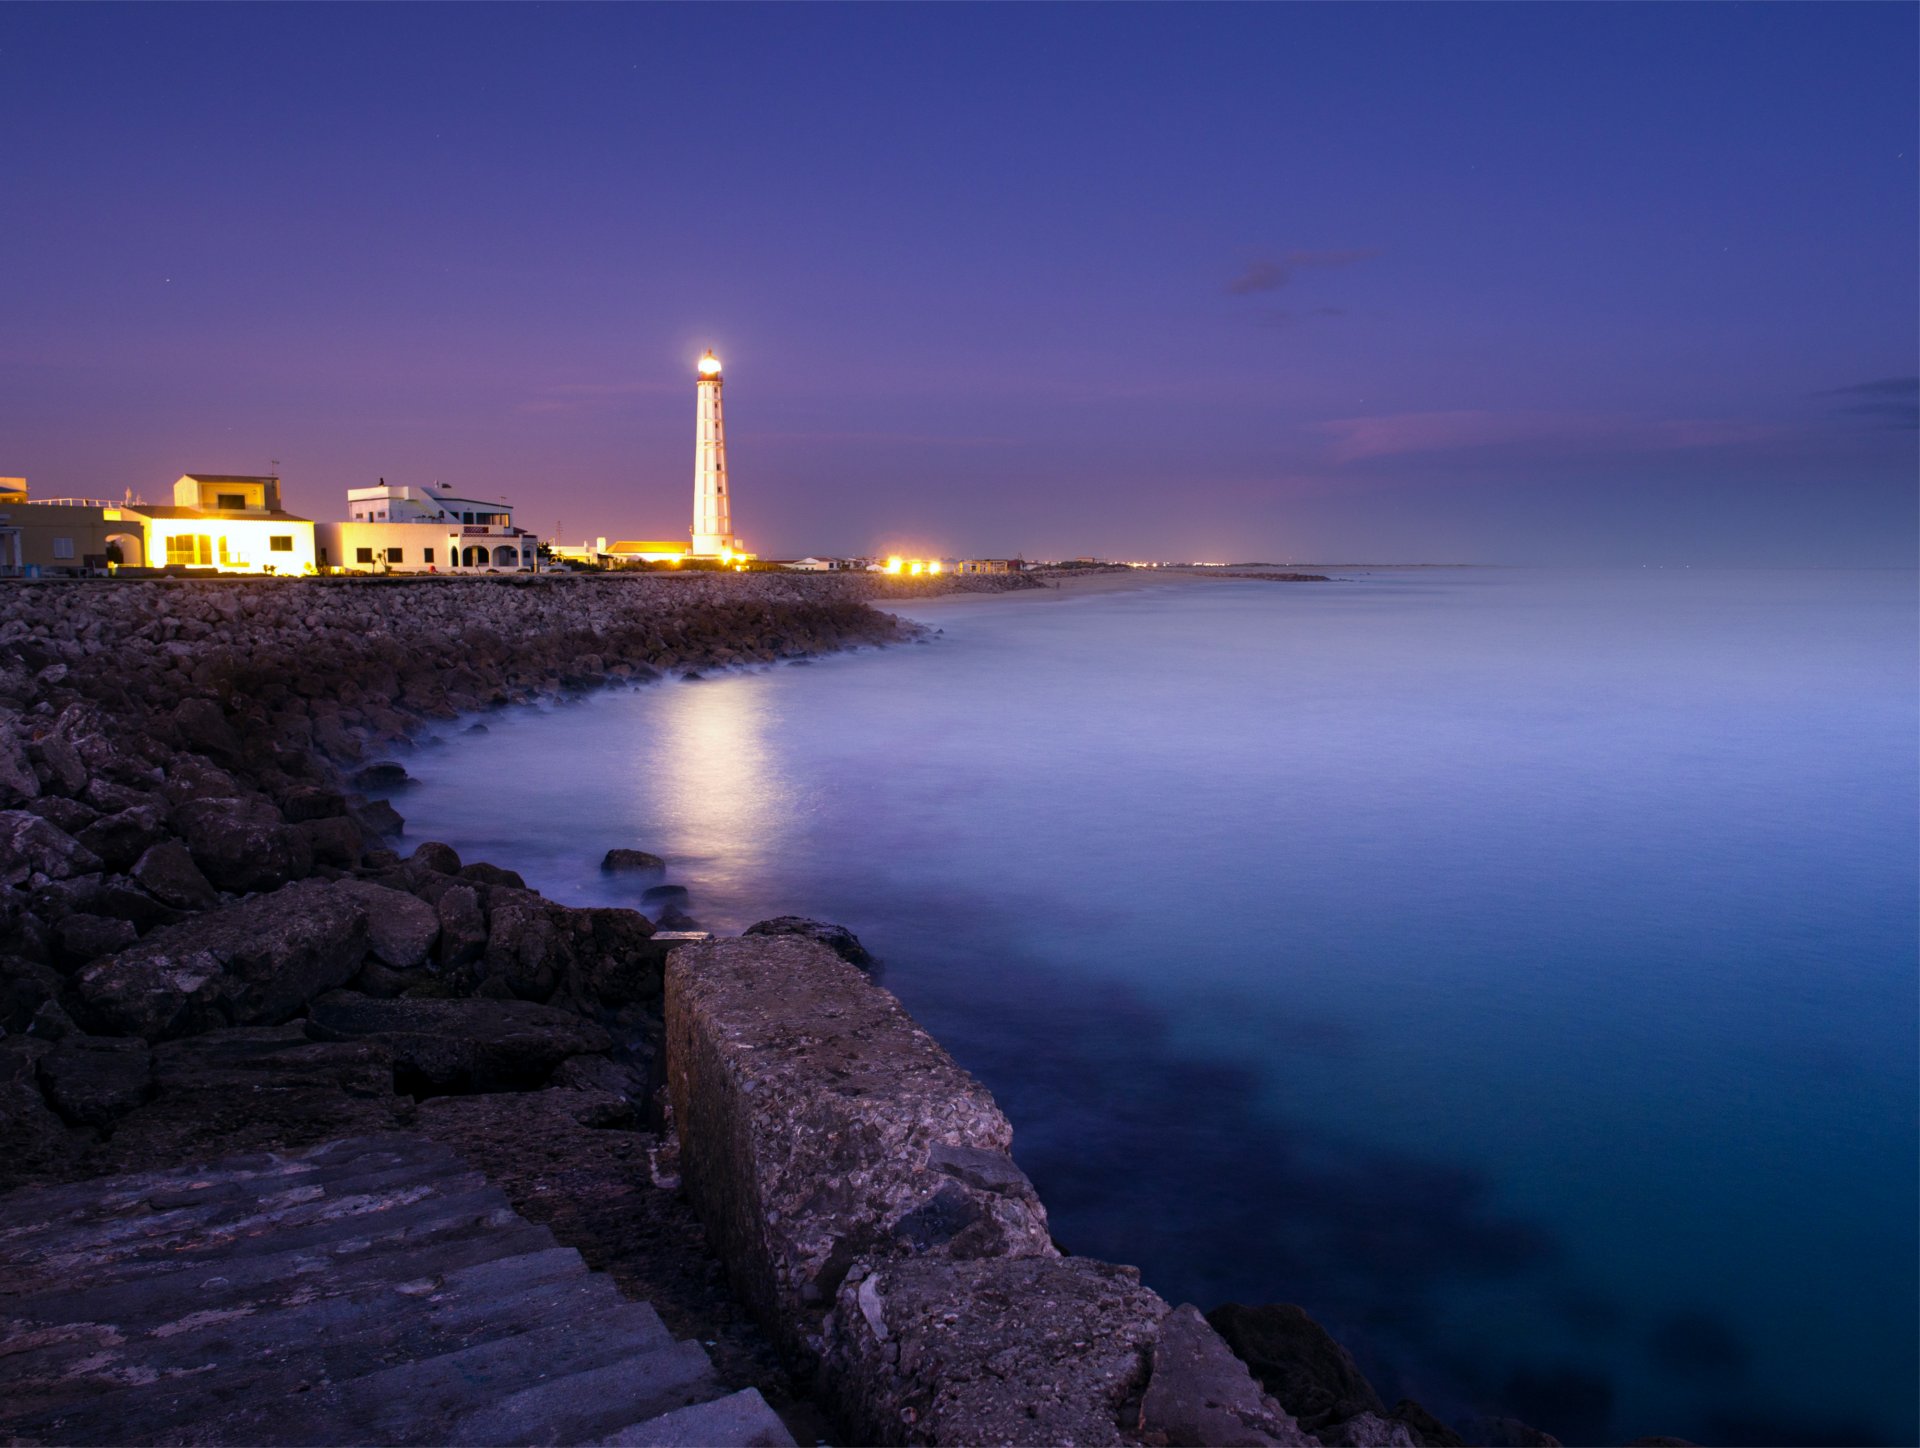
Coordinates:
(167, 872)
(254, 963)
(808, 1104)
(31, 846)
(460, 1045)
(1022, 1350)
(1201, 1396)
(242, 844)
(401, 929)
(1368, 1430)
(1312, 1376)
(95, 1080)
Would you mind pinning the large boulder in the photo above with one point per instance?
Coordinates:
(1202, 1396)
(242, 844)
(35, 1143)
(167, 872)
(255, 963)
(460, 1045)
(1298, 1362)
(31, 846)
(18, 782)
(620, 861)
(120, 839)
(402, 929)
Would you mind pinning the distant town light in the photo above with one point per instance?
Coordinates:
(893, 565)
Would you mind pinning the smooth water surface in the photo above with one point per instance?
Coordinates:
(1517, 969)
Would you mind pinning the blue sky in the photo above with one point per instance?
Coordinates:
(1556, 283)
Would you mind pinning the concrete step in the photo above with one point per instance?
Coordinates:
(371, 1290)
(742, 1419)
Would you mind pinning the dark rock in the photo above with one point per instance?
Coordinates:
(375, 817)
(675, 919)
(837, 938)
(69, 814)
(35, 1144)
(1313, 1377)
(1512, 1433)
(95, 1080)
(617, 861)
(120, 839)
(384, 775)
(616, 963)
(675, 895)
(311, 802)
(460, 1045)
(463, 929)
(334, 841)
(251, 1087)
(1367, 1430)
(1201, 1396)
(18, 782)
(528, 944)
(200, 726)
(482, 873)
(401, 929)
(242, 844)
(65, 771)
(434, 856)
(1428, 1431)
(32, 846)
(81, 938)
(254, 963)
(167, 872)
(26, 987)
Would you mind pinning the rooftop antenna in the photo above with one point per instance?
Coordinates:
(276, 466)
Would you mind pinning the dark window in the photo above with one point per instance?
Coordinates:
(426, 555)
(363, 555)
(396, 555)
(323, 556)
(229, 500)
(280, 542)
(466, 517)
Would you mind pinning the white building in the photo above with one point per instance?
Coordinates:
(712, 507)
(395, 529)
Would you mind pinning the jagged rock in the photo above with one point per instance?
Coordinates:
(1367, 1430)
(527, 946)
(71, 815)
(254, 963)
(616, 963)
(65, 771)
(463, 929)
(837, 938)
(120, 839)
(95, 1080)
(310, 802)
(1007, 1350)
(485, 874)
(667, 895)
(167, 872)
(402, 929)
(18, 782)
(460, 1045)
(81, 937)
(35, 1144)
(1428, 1431)
(375, 817)
(201, 727)
(616, 861)
(26, 986)
(1201, 1396)
(1512, 1433)
(384, 775)
(242, 844)
(1312, 1376)
(334, 841)
(434, 856)
(31, 846)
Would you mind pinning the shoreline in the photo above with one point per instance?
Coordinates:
(188, 765)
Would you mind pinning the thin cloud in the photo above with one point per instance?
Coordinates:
(1894, 401)
(1269, 274)
(1396, 434)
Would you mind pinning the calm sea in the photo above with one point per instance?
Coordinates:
(1516, 968)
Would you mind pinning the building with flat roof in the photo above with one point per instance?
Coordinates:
(394, 528)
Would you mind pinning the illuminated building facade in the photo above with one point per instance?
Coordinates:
(712, 508)
(406, 529)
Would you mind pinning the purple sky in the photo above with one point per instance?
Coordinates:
(1521, 283)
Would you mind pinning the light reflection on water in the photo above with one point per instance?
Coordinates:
(1517, 969)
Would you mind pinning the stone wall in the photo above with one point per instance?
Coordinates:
(861, 1189)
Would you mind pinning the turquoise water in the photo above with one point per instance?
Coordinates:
(1516, 968)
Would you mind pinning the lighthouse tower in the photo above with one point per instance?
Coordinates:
(712, 511)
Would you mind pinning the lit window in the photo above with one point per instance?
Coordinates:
(191, 550)
(280, 542)
(63, 548)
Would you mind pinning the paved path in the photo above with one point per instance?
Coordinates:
(373, 1290)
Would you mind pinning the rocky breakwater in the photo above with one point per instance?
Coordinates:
(205, 944)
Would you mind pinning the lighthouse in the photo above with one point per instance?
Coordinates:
(712, 510)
